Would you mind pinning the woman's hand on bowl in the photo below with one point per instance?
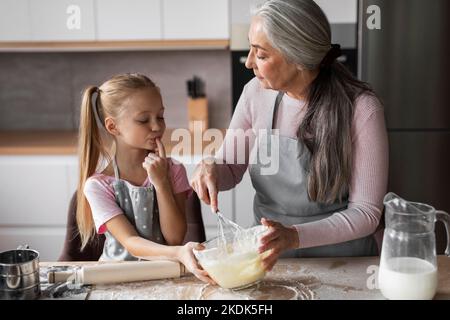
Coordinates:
(186, 256)
(204, 182)
(277, 239)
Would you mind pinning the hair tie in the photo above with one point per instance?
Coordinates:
(95, 109)
(331, 55)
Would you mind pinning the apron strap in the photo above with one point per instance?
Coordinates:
(275, 109)
(116, 169)
(272, 119)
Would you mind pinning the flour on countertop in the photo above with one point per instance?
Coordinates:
(283, 283)
(307, 280)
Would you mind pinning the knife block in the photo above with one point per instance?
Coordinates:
(198, 114)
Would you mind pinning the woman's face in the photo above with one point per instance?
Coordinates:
(268, 64)
(141, 120)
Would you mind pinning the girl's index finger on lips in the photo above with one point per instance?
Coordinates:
(161, 149)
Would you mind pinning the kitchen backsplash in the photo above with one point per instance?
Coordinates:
(42, 91)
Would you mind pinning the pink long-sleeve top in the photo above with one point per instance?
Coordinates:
(368, 183)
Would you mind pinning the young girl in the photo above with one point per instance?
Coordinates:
(138, 200)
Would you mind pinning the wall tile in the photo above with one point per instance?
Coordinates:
(35, 92)
(43, 90)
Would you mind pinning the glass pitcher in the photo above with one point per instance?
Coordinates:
(408, 267)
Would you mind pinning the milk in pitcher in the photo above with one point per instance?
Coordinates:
(407, 278)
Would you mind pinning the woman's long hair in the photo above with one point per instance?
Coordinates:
(301, 32)
(94, 142)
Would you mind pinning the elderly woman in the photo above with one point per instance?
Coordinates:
(325, 199)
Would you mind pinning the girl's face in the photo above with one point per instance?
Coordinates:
(141, 120)
(268, 64)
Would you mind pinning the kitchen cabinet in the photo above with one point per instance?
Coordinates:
(34, 197)
(339, 11)
(128, 19)
(35, 189)
(62, 20)
(195, 19)
(48, 241)
(86, 25)
(240, 18)
(14, 20)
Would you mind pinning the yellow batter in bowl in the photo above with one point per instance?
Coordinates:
(238, 265)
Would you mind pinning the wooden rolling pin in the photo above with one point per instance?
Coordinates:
(115, 272)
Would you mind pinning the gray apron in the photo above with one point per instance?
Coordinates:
(283, 196)
(140, 206)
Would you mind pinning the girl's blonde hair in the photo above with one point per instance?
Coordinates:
(93, 138)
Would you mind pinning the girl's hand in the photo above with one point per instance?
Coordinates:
(186, 256)
(204, 183)
(157, 166)
(277, 239)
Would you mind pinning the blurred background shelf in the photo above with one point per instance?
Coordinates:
(123, 45)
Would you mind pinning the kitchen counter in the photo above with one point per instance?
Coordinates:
(59, 142)
(38, 142)
(291, 279)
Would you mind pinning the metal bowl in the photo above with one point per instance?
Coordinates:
(19, 274)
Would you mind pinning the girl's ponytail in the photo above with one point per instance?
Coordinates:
(90, 148)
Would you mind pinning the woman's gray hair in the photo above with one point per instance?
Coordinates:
(299, 29)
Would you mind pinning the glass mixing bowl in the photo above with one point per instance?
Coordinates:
(239, 265)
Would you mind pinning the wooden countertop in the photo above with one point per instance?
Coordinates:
(39, 46)
(38, 142)
(60, 142)
(298, 279)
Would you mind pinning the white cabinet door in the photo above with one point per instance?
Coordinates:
(14, 20)
(34, 190)
(339, 11)
(240, 17)
(195, 19)
(62, 20)
(128, 19)
(48, 241)
(72, 175)
(244, 194)
(34, 199)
